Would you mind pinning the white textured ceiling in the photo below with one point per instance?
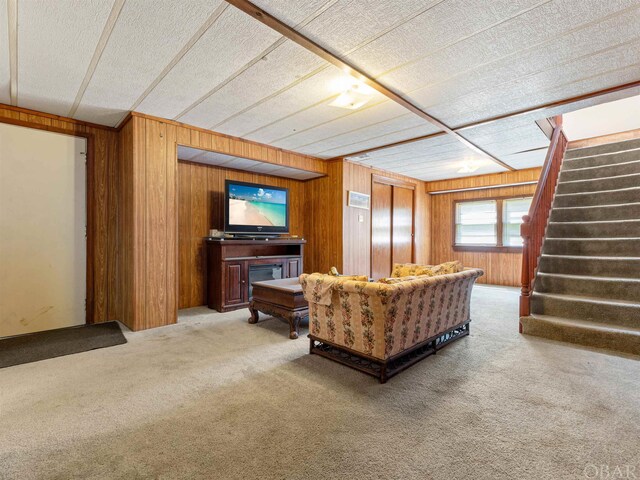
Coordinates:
(206, 63)
(4, 56)
(238, 163)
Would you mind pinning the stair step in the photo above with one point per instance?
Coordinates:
(582, 332)
(598, 198)
(610, 170)
(612, 312)
(615, 158)
(613, 228)
(599, 184)
(597, 287)
(627, 267)
(603, 149)
(593, 213)
(619, 247)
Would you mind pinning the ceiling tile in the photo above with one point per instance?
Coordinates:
(228, 45)
(143, 42)
(287, 64)
(5, 75)
(56, 43)
(538, 39)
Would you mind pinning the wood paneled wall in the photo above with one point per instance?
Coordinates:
(500, 268)
(323, 213)
(357, 235)
(134, 210)
(150, 194)
(336, 236)
(201, 207)
(488, 180)
(103, 292)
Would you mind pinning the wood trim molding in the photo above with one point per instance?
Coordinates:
(392, 181)
(347, 67)
(27, 111)
(487, 187)
(517, 113)
(500, 179)
(603, 139)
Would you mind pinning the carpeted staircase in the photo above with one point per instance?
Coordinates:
(587, 289)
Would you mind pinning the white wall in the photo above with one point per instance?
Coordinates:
(42, 230)
(604, 119)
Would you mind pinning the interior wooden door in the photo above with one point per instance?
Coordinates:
(402, 225)
(381, 208)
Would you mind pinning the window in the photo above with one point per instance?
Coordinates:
(490, 224)
(513, 209)
(476, 223)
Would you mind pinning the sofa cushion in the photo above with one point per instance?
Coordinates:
(318, 287)
(404, 269)
(447, 267)
(413, 269)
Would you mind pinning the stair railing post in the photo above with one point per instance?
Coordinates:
(525, 292)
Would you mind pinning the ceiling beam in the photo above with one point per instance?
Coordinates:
(517, 113)
(348, 68)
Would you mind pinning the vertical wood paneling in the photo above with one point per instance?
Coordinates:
(139, 188)
(113, 251)
(199, 228)
(157, 264)
(323, 214)
(184, 235)
(171, 223)
(133, 215)
(201, 207)
(356, 233)
(357, 240)
(100, 215)
(126, 226)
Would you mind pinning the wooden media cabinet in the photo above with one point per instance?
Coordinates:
(232, 264)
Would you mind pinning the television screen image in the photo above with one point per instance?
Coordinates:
(256, 206)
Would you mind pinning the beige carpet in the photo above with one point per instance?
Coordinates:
(216, 398)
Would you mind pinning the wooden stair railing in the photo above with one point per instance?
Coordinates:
(535, 223)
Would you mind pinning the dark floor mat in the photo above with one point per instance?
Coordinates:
(57, 343)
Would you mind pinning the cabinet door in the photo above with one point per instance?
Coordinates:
(294, 268)
(235, 283)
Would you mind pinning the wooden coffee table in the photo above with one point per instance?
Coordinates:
(280, 298)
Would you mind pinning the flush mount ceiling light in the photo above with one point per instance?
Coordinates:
(354, 94)
(469, 167)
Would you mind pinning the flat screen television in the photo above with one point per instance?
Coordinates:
(254, 208)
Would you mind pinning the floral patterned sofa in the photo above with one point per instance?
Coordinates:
(383, 327)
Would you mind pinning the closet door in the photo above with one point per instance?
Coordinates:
(402, 231)
(42, 230)
(381, 208)
(392, 217)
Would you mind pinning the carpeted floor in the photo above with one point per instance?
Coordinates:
(216, 398)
